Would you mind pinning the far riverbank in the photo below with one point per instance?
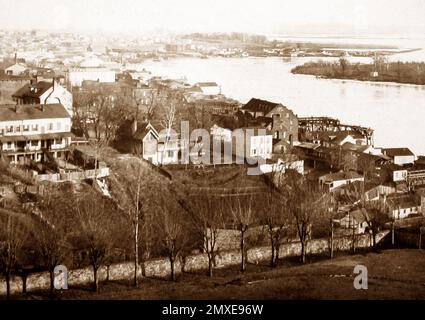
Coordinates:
(378, 71)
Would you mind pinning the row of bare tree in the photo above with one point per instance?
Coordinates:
(143, 222)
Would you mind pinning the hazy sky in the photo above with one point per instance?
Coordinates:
(265, 16)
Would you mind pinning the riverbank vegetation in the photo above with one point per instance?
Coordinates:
(379, 70)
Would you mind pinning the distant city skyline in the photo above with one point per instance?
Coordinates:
(360, 17)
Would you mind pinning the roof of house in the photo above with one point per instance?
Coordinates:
(143, 129)
(420, 160)
(33, 90)
(403, 202)
(255, 131)
(7, 77)
(355, 147)
(308, 145)
(258, 105)
(15, 64)
(338, 176)
(393, 152)
(374, 157)
(5, 64)
(338, 137)
(359, 215)
(193, 89)
(206, 84)
(32, 111)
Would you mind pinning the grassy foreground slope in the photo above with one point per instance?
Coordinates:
(393, 274)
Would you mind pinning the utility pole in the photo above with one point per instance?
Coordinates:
(354, 237)
(392, 233)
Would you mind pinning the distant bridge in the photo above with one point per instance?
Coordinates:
(327, 124)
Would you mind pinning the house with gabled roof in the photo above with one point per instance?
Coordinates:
(332, 181)
(400, 156)
(208, 88)
(44, 92)
(403, 206)
(283, 124)
(15, 69)
(148, 138)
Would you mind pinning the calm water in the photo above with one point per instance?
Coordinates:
(396, 112)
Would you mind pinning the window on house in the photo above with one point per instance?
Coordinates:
(34, 127)
(9, 145)
(34, 143)
(9, 129)
(254, 152)
(170, 153)
(18, 129)
(50, 126)
(26, 128)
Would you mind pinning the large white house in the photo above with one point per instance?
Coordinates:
(44, 92)
(32, 131)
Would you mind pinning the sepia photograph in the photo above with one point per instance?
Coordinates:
(212, 151)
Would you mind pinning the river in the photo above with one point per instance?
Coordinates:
(396, 112)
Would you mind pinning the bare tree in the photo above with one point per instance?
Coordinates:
(244, 216)
(376, 215)
(96, 231)
(134, 211)
(330, 209)
(172, 232)
(147, 105)
(51, 237)
(207, 216)
(276, 217)
(343, 63)
(136, 200)
(98, 147)
(13, 234)
(81, 117)
(100, 110)
(167, 123)
(306, 205)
